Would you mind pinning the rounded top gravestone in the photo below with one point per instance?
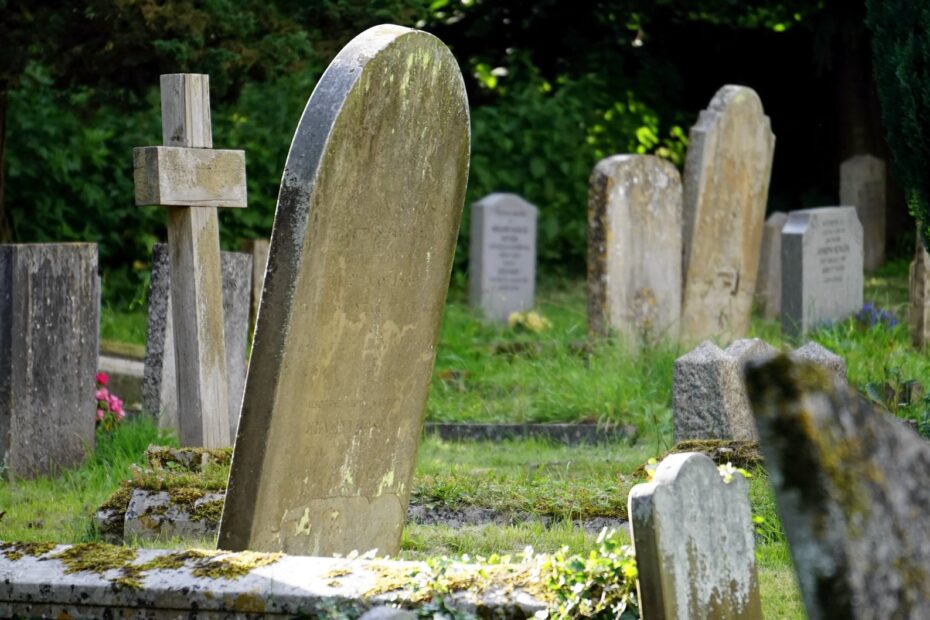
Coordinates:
(358, 269)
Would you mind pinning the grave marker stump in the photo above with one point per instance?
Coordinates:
(693, 536)
(768, 284)
(918, 310)
(192, 180)
(862, 185)
(361, 252)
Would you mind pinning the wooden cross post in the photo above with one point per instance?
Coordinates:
(192, 179)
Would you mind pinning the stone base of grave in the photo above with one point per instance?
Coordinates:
(95, 580)
(567, 434)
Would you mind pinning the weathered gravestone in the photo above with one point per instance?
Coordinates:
(258, 248)
(160, 386)
(821, 259)
(726, 184)
(192, 180)
(49, 326)
(502, 255)
(361, 253)
(708, 400)
(693, 535)
(768, 284)
(851, 488)
(918, 311)
(862, 185)
(634, 249)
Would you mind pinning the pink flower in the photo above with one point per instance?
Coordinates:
(99, 415)
(120, 414)
(115, 403)
(103, 394)
(102, 378)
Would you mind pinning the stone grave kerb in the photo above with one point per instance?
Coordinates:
(192, 179)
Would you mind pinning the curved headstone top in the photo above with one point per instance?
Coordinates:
(358, 269)
(726, 183)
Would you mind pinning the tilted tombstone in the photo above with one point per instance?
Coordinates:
(851, 488)
(768, 284)
(160, 386)
(726, 184)
(708, 399)
(918, 310)
(693, 536)
(634, 249)
(821, 261)
(502, 255)
(192, 180)
(862, 185)
(49, 326)
(361, 252)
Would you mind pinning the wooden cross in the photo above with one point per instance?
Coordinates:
(192, 179)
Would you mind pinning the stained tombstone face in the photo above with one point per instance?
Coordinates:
(726, 184)
(361, 252)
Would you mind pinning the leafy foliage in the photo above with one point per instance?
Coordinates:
(901, 57)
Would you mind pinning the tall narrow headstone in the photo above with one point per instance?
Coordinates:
(160, 386)
(49, 326)
(726, 184)
(918, 311)
(821, 263)
(634, 249)
(862, 185)
(768, 284)
(361, 253)
(259, 250)
(502, 255)
(851, 487)
(192, 179)
(693, 536)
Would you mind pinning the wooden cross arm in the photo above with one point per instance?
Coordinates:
(189, 177)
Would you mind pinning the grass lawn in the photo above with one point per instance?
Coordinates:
(490, 373)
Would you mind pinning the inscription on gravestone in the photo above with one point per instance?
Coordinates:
(502, 259)
(821, 267)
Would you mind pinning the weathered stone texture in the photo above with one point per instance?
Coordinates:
(502, 255)
(852, 493)
(49, 326)
(918, 311)
(768, 284)
(362, 248)
(709, 400)
(153, 515)
(822, 277)
(726, 184)
(634, 249)
(862, 185)
(818, 354)
(693, 535)
(160, 388)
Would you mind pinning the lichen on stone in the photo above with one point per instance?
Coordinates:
(14, 551)
(233, 565)
(94, 557)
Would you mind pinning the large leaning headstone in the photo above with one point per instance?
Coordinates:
(502, 255)
(768, 283)
(918, 310)
(160, 386)
(851, 488)
(821, 261)
(49, 326)
(726, 184)
(634, 249)
(192, 180)
(862, 185)
(361, 252)
(693, 535)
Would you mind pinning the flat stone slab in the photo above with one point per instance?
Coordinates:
(567, 434)
(34, 584)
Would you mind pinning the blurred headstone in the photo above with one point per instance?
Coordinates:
(862, 185)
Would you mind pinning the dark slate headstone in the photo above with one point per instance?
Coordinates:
(821, 257)
(49, 326)
(768, 284)
(502, 255)
(159, 387)
(851, 486)
(361, 252)
(693, 535)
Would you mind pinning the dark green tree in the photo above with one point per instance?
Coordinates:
(901, 57)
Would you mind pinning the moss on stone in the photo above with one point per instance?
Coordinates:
(17, 550)
(94, 557)
(234, 565)
(189, 459)
(208, 511)
(119, 500)
(743, 454)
